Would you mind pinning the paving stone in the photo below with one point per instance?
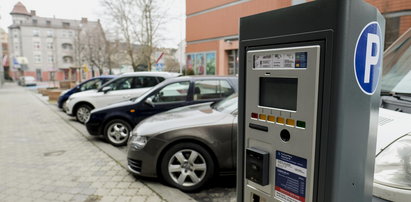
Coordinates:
(48, 160)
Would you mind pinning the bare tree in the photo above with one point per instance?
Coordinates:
(95, 46)
(143, 29)
(172, 65)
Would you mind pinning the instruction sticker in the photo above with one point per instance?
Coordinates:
(281, 60)
(290, 177)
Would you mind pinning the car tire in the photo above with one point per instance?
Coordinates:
(187, 166)
(83, 113)
(117, 131)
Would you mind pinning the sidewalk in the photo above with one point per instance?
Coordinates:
(42, 158)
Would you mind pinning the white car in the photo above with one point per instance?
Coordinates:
(27, 81)
(124, 87)
(392, 175)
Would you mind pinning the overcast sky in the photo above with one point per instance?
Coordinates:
(92, 9)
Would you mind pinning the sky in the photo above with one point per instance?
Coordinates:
(92, 9)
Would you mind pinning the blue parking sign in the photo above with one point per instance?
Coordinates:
(368, 58)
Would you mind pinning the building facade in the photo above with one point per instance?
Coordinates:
(47, 48)
(212, 29)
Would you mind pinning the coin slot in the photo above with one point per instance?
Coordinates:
(285, 135)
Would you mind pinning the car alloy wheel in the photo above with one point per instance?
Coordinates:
(83, 113)
(187, 166)
(117, 132)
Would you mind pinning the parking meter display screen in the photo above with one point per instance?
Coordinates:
(280, 93)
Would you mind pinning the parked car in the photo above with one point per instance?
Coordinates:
(392, 177)
(116, 121)
(27, 81)
(122, 88)
(90, 84)
(392, 180)
(186, 146)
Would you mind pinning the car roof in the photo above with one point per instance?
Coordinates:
(106, 76)
(162, 74)
(194, 78)
(234, 80)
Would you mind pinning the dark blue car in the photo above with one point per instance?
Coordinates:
(90, 84)
(115, 122)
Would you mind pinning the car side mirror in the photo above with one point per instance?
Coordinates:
(106, 89)
(149, 101)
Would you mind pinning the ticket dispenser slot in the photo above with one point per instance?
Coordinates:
(282, 91)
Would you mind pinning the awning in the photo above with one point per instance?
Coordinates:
(22, 60)
(20, 63)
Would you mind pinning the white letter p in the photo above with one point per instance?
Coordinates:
(369, 58)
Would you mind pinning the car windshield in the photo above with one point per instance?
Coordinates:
(397, 65)
(228, 105)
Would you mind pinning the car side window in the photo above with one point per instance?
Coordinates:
(94, 84)
(160, 79)
(175, 92)
(122, 84)
(211, 89)
(147, 81)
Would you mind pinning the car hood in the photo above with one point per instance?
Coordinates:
(391, 126)
(86, 93)
(65, 91)
(183, 117)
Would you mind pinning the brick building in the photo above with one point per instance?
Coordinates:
(212, 29)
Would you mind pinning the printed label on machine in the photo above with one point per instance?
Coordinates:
(281, 60)
(290, 177)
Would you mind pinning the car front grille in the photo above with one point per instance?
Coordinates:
(135, 165)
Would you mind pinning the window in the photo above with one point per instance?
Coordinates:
(68, 59)
(36, 45)
(211, 89)
(36, 33)
(392, 30)
(37, 59)
(175, 92)
(49, 45)
(125, 83)
(48, 22)
(201, 63)
(160, 79)
(70, 33)
(50, 59)
(66, 24)
(67, 46)
(146, 81)
(233, 62)
(49, 33)
(295, 2)
(94, 84)
(34, 21)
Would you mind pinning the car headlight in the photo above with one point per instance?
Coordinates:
(138, 142)
(393, 165)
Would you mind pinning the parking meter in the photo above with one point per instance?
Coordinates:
(308, 102)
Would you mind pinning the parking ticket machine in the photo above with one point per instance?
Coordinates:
(308, 104)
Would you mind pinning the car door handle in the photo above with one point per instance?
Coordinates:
(126, 97)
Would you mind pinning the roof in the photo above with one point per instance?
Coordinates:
(19, 8)
(163, 74)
